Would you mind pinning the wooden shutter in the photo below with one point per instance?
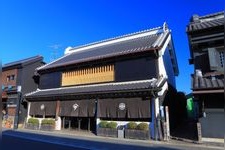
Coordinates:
(214, 59)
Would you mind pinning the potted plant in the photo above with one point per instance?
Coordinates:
(48, 124)
(32, 123)
(134, 131)
(107, 129)
(101, 128)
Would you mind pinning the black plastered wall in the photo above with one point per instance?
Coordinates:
(27, 73)
(50, 80)
(135, 69)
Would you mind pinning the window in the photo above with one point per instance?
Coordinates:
(96, 74)
(221, 54)
(216, 58)
(12, 77)
(8, 78)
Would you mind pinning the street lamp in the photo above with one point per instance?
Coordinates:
(16, 119)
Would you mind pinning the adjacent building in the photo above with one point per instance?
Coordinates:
(17, 79)
(120, 79)
(206, 40)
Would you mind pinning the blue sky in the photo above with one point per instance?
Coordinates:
(47, 27)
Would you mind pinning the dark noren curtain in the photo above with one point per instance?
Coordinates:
(49, 108)
(78, 108)
(124, 108)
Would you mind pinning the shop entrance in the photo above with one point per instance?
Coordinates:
(79, 123)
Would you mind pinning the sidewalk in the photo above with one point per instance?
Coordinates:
(187, 132)
(217, 143)
(85, 134)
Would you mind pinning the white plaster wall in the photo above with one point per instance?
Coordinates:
(119, 123)
(162, 70)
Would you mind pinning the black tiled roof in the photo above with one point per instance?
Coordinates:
(205, 25)
(212, 22)
(96, 89)
(207, 83)
(23, 61)
(129, 46)
(211, 15)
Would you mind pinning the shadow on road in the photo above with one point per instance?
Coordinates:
(30, 141)
(186, 130)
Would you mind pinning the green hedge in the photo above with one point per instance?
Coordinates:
(33, 121)
(135, 126)
(106, 124)
(143, 126)
(111, 125)
(103, 124)
(132, 125)
(48, 122)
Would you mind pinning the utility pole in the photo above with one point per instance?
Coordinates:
(16, 119)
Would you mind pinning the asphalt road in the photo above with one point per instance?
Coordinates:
(15, 140)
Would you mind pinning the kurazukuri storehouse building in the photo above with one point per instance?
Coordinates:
(206, 40)
(121, 79)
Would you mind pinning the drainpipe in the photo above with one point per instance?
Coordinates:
(96, 116)
(155, 114)
(156, 127)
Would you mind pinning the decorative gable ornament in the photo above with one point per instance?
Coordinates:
(165, 27)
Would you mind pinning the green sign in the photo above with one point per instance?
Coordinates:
(190, 107)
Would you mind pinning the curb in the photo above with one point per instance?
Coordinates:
(175, 142)
(185, 140)
(217, 144)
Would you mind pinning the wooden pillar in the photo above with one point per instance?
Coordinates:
(44, 112)
(165, 137)
(199, 130)
(69, 124)
(57, 109)
(63, 123)
(28, 114)
(156, 115)
(28, 110)
(97, 120)
(58, 123)
(89, 124)
(159, 128)
(152, 125)
(79, 121)
(167, 123)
